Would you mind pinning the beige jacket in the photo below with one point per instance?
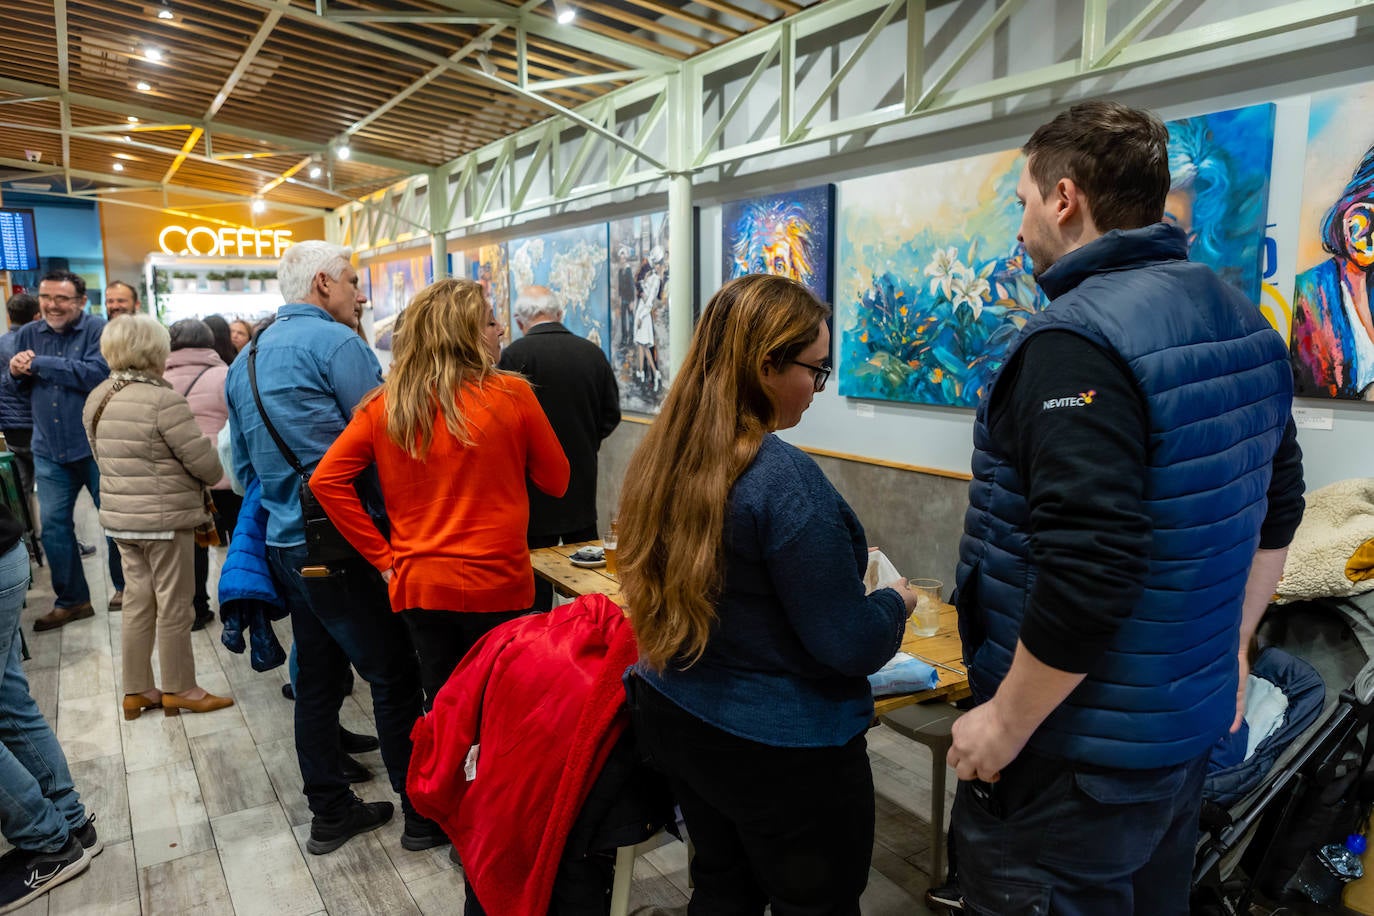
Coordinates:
(153, 459)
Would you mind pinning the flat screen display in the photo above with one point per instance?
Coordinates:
(18, 240)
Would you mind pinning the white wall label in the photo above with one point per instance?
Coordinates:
(1314, 417)
(866, 411)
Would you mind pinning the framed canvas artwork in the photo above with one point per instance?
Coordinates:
(574, 265)
(639, 309)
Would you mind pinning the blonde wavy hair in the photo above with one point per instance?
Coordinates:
(437, 350)
(677, 485)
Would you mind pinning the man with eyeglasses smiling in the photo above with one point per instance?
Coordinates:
(56, 364)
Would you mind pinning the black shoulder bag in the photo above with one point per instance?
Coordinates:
(324, 545)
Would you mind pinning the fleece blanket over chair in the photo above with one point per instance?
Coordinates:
(516, 738)
(1332, 554)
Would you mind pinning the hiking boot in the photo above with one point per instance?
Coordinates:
(61, 616)
(354, 743)
(32, 874)
(90, 840)
(422, 833)
(329, 835)
(354, 771)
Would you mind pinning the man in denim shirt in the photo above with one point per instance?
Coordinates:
(312, 368)
(57, 362)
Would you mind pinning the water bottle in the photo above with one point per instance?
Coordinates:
(1322, 876)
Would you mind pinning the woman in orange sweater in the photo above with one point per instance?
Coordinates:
(453, 439)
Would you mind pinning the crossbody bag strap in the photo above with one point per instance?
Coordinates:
(187, 392)
(100, 411)
(282, 447)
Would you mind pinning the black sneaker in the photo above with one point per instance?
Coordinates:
(354, 771)
(288, 691)
(422, 833)
(87, 550)
(329, 835)
(354, 743)
(948, 896)
(90, 840)
(202, 620)
(33, 874)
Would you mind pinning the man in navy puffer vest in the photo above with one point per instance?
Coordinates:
(1137, 480)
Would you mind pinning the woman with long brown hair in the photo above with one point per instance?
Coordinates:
(453, 439)
(742, 568)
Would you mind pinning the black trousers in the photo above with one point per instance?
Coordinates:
(543, 588)
(780, 826)
(227, 504)
(442, 638)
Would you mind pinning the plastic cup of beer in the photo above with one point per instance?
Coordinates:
(608, 545)
(925, 618)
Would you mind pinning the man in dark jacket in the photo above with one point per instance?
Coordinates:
(1137, 480)
(577, 389)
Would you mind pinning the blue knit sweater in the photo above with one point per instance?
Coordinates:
(795, 638)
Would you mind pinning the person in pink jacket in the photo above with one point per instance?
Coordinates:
(196, 372)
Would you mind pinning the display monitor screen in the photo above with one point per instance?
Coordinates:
(18, 240)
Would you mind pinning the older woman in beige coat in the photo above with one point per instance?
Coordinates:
(154, 466)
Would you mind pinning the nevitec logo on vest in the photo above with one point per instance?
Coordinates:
(1083, 399)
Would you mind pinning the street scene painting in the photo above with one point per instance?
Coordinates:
(639, 309)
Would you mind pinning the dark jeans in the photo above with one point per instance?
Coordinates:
(786, 826)
(1085, 841)
(341, 619)
(442, 638)
(58, 487)
(543, 588)
(227, 504)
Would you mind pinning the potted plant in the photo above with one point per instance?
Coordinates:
(255, 281)
(216, 282)
(269, 282)
(235, 279)
(183, 282)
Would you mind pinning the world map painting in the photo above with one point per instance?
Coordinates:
(574, 264)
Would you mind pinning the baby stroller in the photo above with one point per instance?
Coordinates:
(1302, 788)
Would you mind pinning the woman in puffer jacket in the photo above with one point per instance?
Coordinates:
(154, 465)
(196, 372)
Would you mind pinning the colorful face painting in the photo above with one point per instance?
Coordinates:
(573, 264)
(932, 284)
(1219, 190)
(393, 284)
(1332, 339)
(639, 309)
(491, 273)
(787, 235)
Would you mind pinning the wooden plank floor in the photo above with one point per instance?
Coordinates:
(203, 813)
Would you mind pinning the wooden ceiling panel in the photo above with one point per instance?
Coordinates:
(278, 82)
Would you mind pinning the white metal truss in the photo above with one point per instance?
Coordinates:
(618, 141)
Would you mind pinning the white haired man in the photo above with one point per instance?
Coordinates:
(311, 368)
(577, 389)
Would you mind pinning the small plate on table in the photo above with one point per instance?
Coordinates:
(588, 558)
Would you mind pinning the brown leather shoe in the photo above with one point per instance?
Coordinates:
(61, 616)
(173, 704)
(135, 703)
(116, 602)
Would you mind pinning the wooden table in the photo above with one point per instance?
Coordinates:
(943, 649)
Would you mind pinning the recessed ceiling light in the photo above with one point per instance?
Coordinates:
(259, 205)
(564, 11)
(316, 171)
(143, 86)
(133, 120)
(165, 13)
(128, 139)
(343, 152)
(152, 54)
(122, 156)
(119, 166)
(248, 155)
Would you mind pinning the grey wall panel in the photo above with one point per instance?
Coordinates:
(915, 518)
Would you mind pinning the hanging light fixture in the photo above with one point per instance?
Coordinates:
(343, 152)
(259, 205)
(316, 171)
(483, 60)
(564, 11)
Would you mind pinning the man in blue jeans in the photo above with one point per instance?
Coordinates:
(312, 368)
(41, 814)
(56, 363)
